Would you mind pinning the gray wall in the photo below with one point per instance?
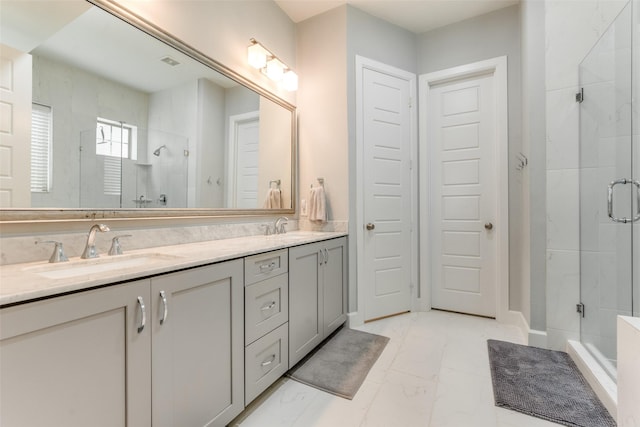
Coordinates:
(534, 146)
(488, 36)
(211, 143)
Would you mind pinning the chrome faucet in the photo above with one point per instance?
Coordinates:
(58, 254)
(278, 226)
(90, 250)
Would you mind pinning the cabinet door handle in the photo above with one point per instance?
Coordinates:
(144, 315)
(326, 258)
(269, 361)
(269, 306)
(165, 312)
(268, 267)
(321, 256)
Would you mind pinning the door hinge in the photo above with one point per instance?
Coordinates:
(580, 95)
(580, 309)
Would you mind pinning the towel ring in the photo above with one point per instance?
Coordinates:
(276, 182)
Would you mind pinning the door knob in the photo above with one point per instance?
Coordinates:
(370, 226)
(488, 226)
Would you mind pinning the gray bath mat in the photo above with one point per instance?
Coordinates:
(342, 363)
(545, 384)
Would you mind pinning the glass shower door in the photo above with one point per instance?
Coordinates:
(608, 192)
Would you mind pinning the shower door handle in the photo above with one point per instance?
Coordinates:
(623, 181)
(636, 183)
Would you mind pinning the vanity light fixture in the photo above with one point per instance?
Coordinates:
(270, 65)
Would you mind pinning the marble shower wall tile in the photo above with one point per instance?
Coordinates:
(563, 131)
(572, 28)
(562, 209)
(563, 290)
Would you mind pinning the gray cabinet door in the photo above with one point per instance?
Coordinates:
(198, 346)
(77, 360)
(317, 294)
(305, 300)
(334, 280)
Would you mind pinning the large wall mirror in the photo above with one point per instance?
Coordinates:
(127, 121)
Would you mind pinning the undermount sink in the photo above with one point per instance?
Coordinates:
(294, 235)
(82, 267)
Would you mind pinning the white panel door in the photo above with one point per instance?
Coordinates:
(387, 193)
(461, 131)
(15, 128)
(243, 161)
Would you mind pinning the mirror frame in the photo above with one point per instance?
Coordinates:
(17, 215)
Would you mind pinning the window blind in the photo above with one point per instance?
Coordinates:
(112, 175)
(41, 141)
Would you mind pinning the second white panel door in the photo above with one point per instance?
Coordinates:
(461, 135)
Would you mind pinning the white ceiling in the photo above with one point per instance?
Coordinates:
(417, 16)
(93, 40)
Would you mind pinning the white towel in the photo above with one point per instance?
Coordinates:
(273, 200)
(317, 205)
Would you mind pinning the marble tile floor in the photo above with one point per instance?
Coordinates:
(434, 372)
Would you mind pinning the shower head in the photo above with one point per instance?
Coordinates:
(157, 151)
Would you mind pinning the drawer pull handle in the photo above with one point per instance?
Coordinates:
(269, 306)
(165, 313)
(269, 362)
(268, 267)
(144, 315)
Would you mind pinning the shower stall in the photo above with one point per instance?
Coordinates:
(610, 185)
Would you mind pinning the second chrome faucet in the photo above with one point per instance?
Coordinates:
(278, 226)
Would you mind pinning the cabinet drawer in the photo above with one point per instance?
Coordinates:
(266, 360)
(266, 306)
(264, 266)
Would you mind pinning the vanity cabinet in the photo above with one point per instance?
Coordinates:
(77, 360)
(317, 294)
(266, 321)
(93, 359)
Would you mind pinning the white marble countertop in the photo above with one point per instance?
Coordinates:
(29, 281)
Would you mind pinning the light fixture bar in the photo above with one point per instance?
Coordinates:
(263, 59)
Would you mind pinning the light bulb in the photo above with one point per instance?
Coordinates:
(274, 69)
(290, 81)
(257, 56)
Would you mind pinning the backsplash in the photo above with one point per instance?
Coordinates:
(19, 249)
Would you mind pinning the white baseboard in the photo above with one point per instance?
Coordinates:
(537, 338)
(354, 320)
(605, 388)
(516, 318)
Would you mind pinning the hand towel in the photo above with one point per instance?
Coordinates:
(273, 199)
(317, 205)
